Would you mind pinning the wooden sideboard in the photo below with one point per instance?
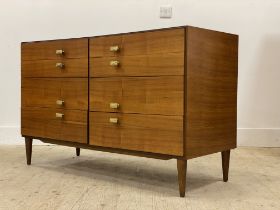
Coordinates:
(167, 93)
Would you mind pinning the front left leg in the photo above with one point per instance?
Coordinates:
(28, 149)
(182, 171)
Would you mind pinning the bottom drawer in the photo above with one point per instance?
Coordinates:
(45, 123)
(148, 133)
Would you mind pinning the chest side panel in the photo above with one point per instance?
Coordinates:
(211, 91)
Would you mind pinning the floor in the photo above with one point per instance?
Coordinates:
(57, 179)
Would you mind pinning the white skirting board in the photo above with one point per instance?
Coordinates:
(10, 135)
(258, 137)
(262, 137)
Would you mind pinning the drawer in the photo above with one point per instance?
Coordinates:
(72, 48)
(43, 122)
(148, 133)
(146, 95)
(55, 93)
(55, 68)
(138, 65)
(141, 43)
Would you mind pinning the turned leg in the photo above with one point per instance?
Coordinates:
(78, 151)
(225, 164)
(182, 170)
(28, 149)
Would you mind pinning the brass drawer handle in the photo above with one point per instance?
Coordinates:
(59, 65)
(114, 63)
(59, 115)
(113, 120)
(59, 52)
(114, 105)
(115, 48)
(60, 102)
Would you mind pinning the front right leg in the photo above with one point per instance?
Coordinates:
(182, 171)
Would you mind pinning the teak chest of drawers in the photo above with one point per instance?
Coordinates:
(168, 93)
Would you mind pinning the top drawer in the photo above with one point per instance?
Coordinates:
(142, 43)
(72, 48)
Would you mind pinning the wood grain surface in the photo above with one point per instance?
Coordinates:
(103, 91)
(42, 122)
(107, 149)
(211, 91)
(146, 95)
(143, 43)
(148, 133)
(74, 48)
(44, 92)
(47, 68)
(139, 65)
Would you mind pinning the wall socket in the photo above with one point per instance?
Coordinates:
(165, 11)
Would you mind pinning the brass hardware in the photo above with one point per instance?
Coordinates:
(59, 115)
(59, 65)
(114, 63)
(113, 120)
(60, 102)
(114, 105)
(114, 48)
(59, 52)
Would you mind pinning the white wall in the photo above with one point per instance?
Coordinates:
(256, 21)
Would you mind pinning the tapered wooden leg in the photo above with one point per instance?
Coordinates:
(225, 164)
(28, 149)
(78, 151)
(182, 170)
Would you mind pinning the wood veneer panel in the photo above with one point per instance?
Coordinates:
(47, 68)
(44, 50)
(153, 95)
(42, 122)
(142, 43)
(146, 95)
(103, 91)
(211, 91)
(140, 65)
(44, 92)
(147, 133)
(105, 149)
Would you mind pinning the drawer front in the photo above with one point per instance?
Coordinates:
(72, 48)
(146, 95)
(55, 93)
(148, 133)
(142, 43)
(55, 68)
(139, 65)
(104, 91)
(45, 123)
